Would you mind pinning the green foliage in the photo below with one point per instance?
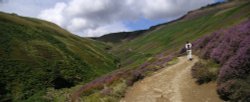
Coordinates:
(205, 71)
(36, 54)
(38, 97)
(236, 90)
(171, 37)
(111, 93)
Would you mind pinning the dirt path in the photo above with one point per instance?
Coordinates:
(172, 84)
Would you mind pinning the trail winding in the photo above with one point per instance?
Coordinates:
(172, 84)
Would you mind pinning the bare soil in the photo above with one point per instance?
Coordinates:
(172, 84)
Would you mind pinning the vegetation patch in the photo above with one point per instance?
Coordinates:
(229, 48)
(205, 71)
(35, 55)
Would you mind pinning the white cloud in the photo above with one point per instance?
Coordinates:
(98, 17)
(156, 9)
(54, 14)
(105, 29)
(84, 17)
(27, 7)
(77, 24)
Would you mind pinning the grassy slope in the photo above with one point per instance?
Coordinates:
(163, 40)
(171, 37)
(34, 53)
(119, 37)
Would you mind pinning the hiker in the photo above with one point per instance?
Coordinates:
(188, 47)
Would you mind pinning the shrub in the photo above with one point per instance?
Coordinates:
(236, 71)
(205, 71)
(231, 49)
(237, 66)
(235, 90)
(136, 76)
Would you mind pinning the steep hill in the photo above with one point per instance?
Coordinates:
(171, 36)
(228, 46)
(149, 52)
(36, 54)
(119, 37)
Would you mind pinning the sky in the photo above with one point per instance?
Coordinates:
(93, 18)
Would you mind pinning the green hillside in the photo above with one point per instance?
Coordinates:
(159, 46)
(36, 54)
(170, 37)
(119, 37)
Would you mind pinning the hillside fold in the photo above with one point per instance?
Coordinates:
(172, 84)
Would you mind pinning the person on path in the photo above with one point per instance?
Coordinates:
(188, 47)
